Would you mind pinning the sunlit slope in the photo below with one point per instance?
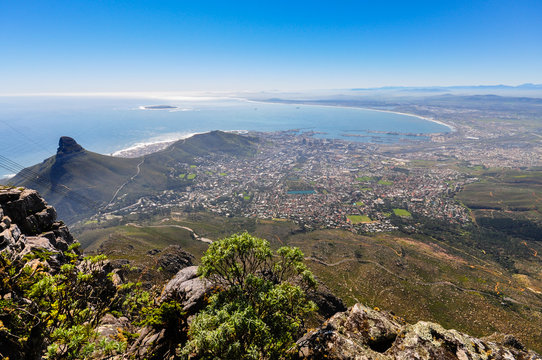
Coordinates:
(424, 279)
(156, 167)
(417, 277)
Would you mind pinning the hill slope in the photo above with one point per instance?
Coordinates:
(79, 182)
(418, 278)
(75, 180)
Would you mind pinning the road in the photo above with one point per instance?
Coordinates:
(196, 236)
(127, 181)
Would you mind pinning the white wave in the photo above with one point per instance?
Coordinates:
(164, 139)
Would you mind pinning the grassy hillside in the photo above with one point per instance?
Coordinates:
(508, 205)
(156, 167)
(81, 183)
(499, 189)
(423, 279)
(77, 184)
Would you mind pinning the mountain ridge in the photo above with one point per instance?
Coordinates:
(80, 182)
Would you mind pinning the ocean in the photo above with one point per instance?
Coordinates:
(31, 126)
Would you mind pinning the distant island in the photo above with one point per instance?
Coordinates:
(158, 107)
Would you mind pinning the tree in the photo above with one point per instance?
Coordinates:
(260, 309)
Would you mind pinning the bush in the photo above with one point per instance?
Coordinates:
(55, 315)
(261, 309)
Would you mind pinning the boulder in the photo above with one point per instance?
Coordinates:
(359, 333)
(42, 244)
(362, 333)
(187, 286)
(151, 344)
(38, 243)
(6, 239)
(9, 194)
(11, 239)
(110, 326)
(27, 211)
(425, 340)
(28, 224)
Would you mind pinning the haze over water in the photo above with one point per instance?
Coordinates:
(33, 125)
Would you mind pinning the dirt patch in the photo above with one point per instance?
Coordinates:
(432, 250)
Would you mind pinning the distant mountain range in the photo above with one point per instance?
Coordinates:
(527, 86)
(79, 182)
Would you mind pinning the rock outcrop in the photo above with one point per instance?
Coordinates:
(174, 258)
(328, 304)
(192, 290)
(68, 145)
(28, 223)
(192, 293)
(362, 333)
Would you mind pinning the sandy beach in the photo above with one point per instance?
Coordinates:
(452, 129)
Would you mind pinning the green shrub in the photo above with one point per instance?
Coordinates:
(54, 315)
(261, 309)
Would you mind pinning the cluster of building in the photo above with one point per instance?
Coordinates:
(318, 183)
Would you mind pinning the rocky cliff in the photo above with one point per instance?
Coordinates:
(28, 224)
(68, 145)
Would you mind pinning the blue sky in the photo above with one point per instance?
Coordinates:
(104, 46)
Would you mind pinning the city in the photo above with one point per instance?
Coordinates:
(317, 183)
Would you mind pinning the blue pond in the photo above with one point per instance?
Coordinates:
(301, 192)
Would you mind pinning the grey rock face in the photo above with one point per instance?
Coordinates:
(151, 344)
(68, 145)
(191, 289)
(28, 210)
(362, 333)
(29, 224)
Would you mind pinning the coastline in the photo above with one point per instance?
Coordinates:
(451, 127)
(6, 177)
(146, 148)
(149, 147)
(141, 149)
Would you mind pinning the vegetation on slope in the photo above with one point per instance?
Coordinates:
(55, 315)
(79, 182)
(452, 277)
(259, 313)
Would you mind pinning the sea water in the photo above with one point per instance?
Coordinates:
(31, 126)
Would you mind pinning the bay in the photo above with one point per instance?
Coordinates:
(31, 126)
